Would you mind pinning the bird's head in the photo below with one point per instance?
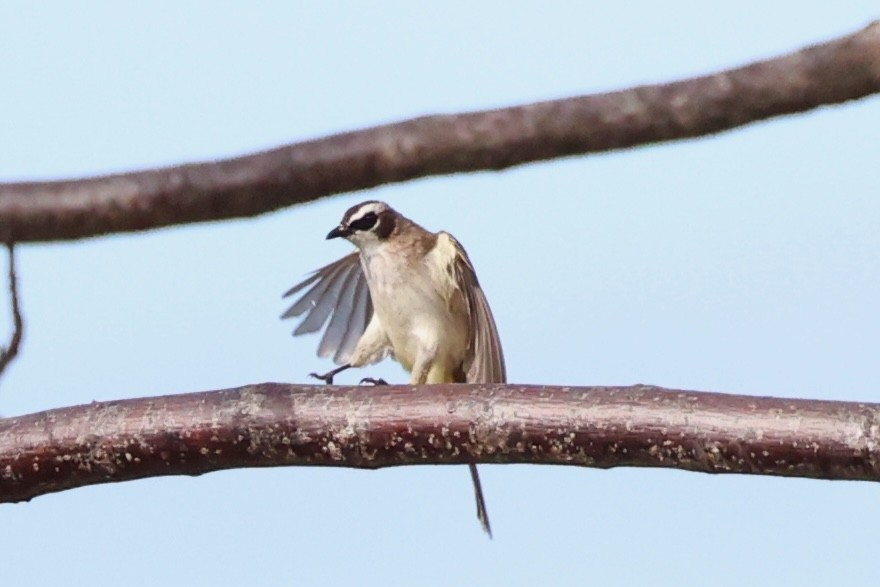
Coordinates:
(367, 223)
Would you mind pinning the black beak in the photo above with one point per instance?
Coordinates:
(338, 232)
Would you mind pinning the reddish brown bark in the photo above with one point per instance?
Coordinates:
(844, 69)
(277, 424)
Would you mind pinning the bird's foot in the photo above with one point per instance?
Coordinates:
(326, 377)
(379, 381)
(329, 375)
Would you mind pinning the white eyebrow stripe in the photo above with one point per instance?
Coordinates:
(365, 209)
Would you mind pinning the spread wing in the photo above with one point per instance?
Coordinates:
(339, 292)
(484, 362)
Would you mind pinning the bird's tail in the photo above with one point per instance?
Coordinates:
(482, 514)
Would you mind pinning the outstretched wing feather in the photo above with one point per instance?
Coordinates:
(339, 293)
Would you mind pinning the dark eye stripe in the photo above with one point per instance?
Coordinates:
(366, 222)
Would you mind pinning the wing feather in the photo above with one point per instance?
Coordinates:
(359, 317)
(324, 302)
(336, 329)
(484, 362)
(339, 293)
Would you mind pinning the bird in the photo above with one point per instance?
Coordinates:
(405, 293)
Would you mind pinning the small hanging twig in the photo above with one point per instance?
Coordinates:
(8, 353)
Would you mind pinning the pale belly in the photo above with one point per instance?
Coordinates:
(421, 325)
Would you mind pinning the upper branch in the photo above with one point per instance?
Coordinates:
(276, 424)
(844, 69)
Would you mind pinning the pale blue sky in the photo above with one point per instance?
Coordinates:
(746, 263)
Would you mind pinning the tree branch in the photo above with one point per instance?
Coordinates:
(844, 69)
(276, 424)
(9, 353)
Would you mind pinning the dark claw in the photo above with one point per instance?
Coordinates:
(329, 375)
(326, 377)
(379, 381)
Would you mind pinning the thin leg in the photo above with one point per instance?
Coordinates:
(328, 376)
(482, 514)
(419, 373)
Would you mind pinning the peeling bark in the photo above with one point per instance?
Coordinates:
(844, 69)
(275, 424)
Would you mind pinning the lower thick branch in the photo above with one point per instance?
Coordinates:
(277, 424)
